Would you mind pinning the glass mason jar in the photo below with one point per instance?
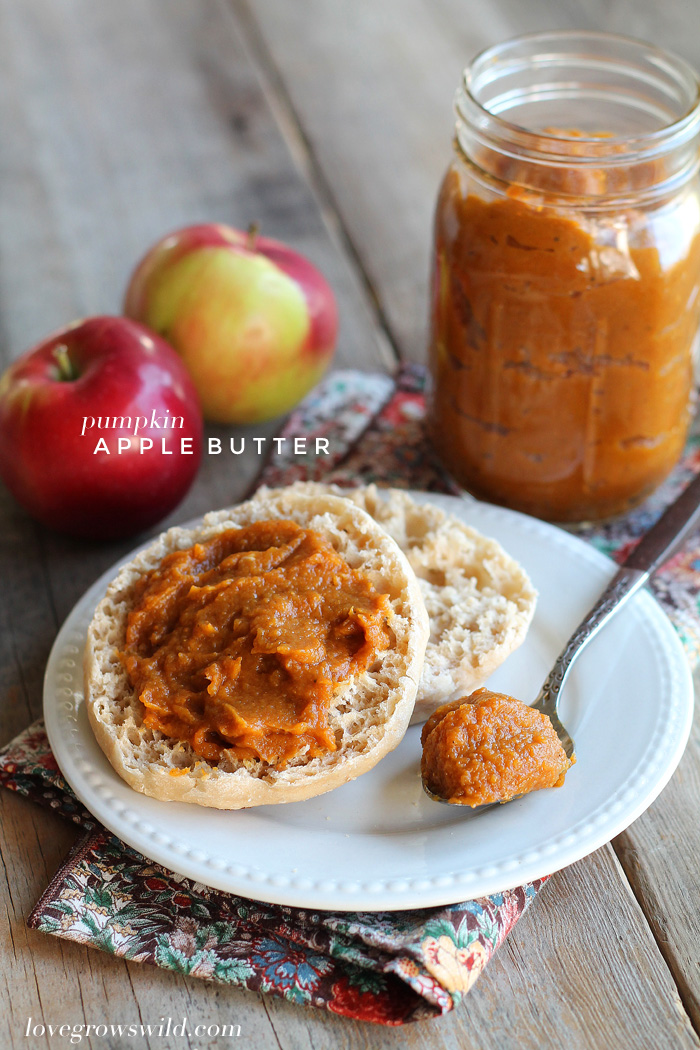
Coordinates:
(566, 278)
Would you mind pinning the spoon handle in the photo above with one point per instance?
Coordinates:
(652, 551)
(625, 583)
(657, 545)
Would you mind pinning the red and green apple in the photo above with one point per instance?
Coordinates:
(254, 321)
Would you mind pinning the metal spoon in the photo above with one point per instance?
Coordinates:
(652, 551)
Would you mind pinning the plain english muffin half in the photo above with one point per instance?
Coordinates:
(369, 714)
(479, 599)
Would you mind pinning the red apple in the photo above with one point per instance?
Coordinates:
(254, 321)
(100, 429)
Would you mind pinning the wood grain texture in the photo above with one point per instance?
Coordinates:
(329, 123)
(659, 854)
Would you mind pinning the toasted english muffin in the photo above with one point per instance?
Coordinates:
(479, 600)
(369, 714)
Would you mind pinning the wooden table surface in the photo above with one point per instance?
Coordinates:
(328, 122)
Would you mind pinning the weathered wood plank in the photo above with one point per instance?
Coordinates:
(674, 25)
(659, 854)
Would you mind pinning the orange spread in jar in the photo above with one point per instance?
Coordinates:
(490, 747)
(240, 643)
(562, 344)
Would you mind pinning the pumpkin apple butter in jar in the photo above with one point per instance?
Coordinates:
(566, 275)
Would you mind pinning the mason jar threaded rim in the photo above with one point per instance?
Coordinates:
(513, 84)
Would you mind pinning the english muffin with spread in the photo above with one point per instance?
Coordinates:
(267, 655)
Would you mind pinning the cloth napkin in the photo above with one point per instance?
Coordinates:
(387, 967)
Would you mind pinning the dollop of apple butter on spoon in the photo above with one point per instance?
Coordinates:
(489, 747)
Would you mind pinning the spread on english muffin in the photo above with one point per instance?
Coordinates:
(240, 642)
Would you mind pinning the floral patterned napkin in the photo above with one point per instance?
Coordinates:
(388, 967)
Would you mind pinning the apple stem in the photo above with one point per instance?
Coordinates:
(67, 371)
(252, 238)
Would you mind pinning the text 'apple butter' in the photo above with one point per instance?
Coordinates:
(241, 642)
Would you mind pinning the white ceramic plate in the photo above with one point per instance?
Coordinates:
(379, 843)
